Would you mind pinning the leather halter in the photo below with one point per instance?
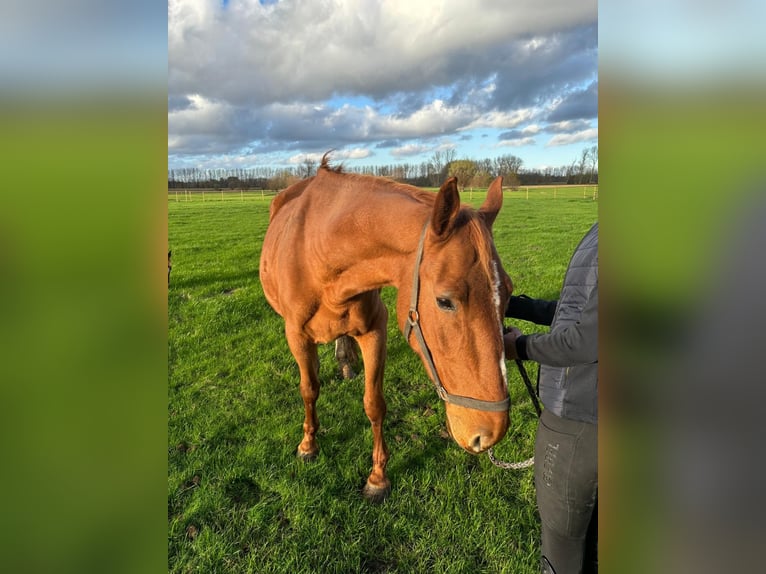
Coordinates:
(413, 324)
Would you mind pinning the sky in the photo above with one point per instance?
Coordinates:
(270, 83)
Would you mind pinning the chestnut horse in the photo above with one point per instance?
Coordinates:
(335, 239)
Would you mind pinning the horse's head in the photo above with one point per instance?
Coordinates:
(454, 322)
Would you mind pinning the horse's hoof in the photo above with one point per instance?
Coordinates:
(376, 494)
(307, 456)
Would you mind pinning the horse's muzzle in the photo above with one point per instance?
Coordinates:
(477, 438)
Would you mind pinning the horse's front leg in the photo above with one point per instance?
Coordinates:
(305, 352)
(373, 347)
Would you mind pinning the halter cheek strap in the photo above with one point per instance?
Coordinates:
(413, 324)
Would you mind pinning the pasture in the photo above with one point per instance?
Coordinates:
(238, 498)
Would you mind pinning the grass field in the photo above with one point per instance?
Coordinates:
(240, 501)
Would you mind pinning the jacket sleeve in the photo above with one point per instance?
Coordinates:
(576, 344)
(537, 311)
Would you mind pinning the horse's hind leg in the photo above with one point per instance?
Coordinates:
(373, 347)
(346, 355)
(305, 353)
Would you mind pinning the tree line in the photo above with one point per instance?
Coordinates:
(441, 165)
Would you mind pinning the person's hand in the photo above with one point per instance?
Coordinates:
(509, 340)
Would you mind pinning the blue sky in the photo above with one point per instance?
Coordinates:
(267, 83)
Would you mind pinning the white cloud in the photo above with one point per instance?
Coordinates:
(581, 136)
(300, 158)
(247, 52)
(568, 126)
(531, 129)
(432, 119)
(410, 150)
(501, 119)
(348, 74)
(355, 153)
(516, 142)
(201, 116)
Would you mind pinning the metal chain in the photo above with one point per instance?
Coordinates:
(510, 465)
(531, 460)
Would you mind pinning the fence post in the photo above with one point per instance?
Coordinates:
(527, 192)
(176, 195)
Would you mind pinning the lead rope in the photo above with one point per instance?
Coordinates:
(531, 460)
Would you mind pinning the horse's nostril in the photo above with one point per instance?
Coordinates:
(475, 443)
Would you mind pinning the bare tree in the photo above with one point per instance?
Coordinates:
(583, 170)
(308, 167)
(280, 179)
(440, 161)
(485, 165)
(463, 170)
(593, 156)
(436, 165)
(482, 178)
(582, 164)
(508, 166)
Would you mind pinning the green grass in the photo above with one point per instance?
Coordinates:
(240, 501)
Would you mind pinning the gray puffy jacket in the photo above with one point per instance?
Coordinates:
(568, 354)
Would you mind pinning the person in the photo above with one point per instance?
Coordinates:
(566, 445)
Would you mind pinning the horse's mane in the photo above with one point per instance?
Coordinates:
(326, 163)
(480, 237)
(422, 196)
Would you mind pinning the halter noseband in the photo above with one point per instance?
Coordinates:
(413, 324)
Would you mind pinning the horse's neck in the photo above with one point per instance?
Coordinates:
(385, 254)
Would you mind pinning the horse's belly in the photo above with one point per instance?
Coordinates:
(292, 291)
(271, 271)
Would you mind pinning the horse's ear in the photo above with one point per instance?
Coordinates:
(446, 207)
(494, 201)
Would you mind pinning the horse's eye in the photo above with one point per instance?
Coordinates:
(445, 304)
